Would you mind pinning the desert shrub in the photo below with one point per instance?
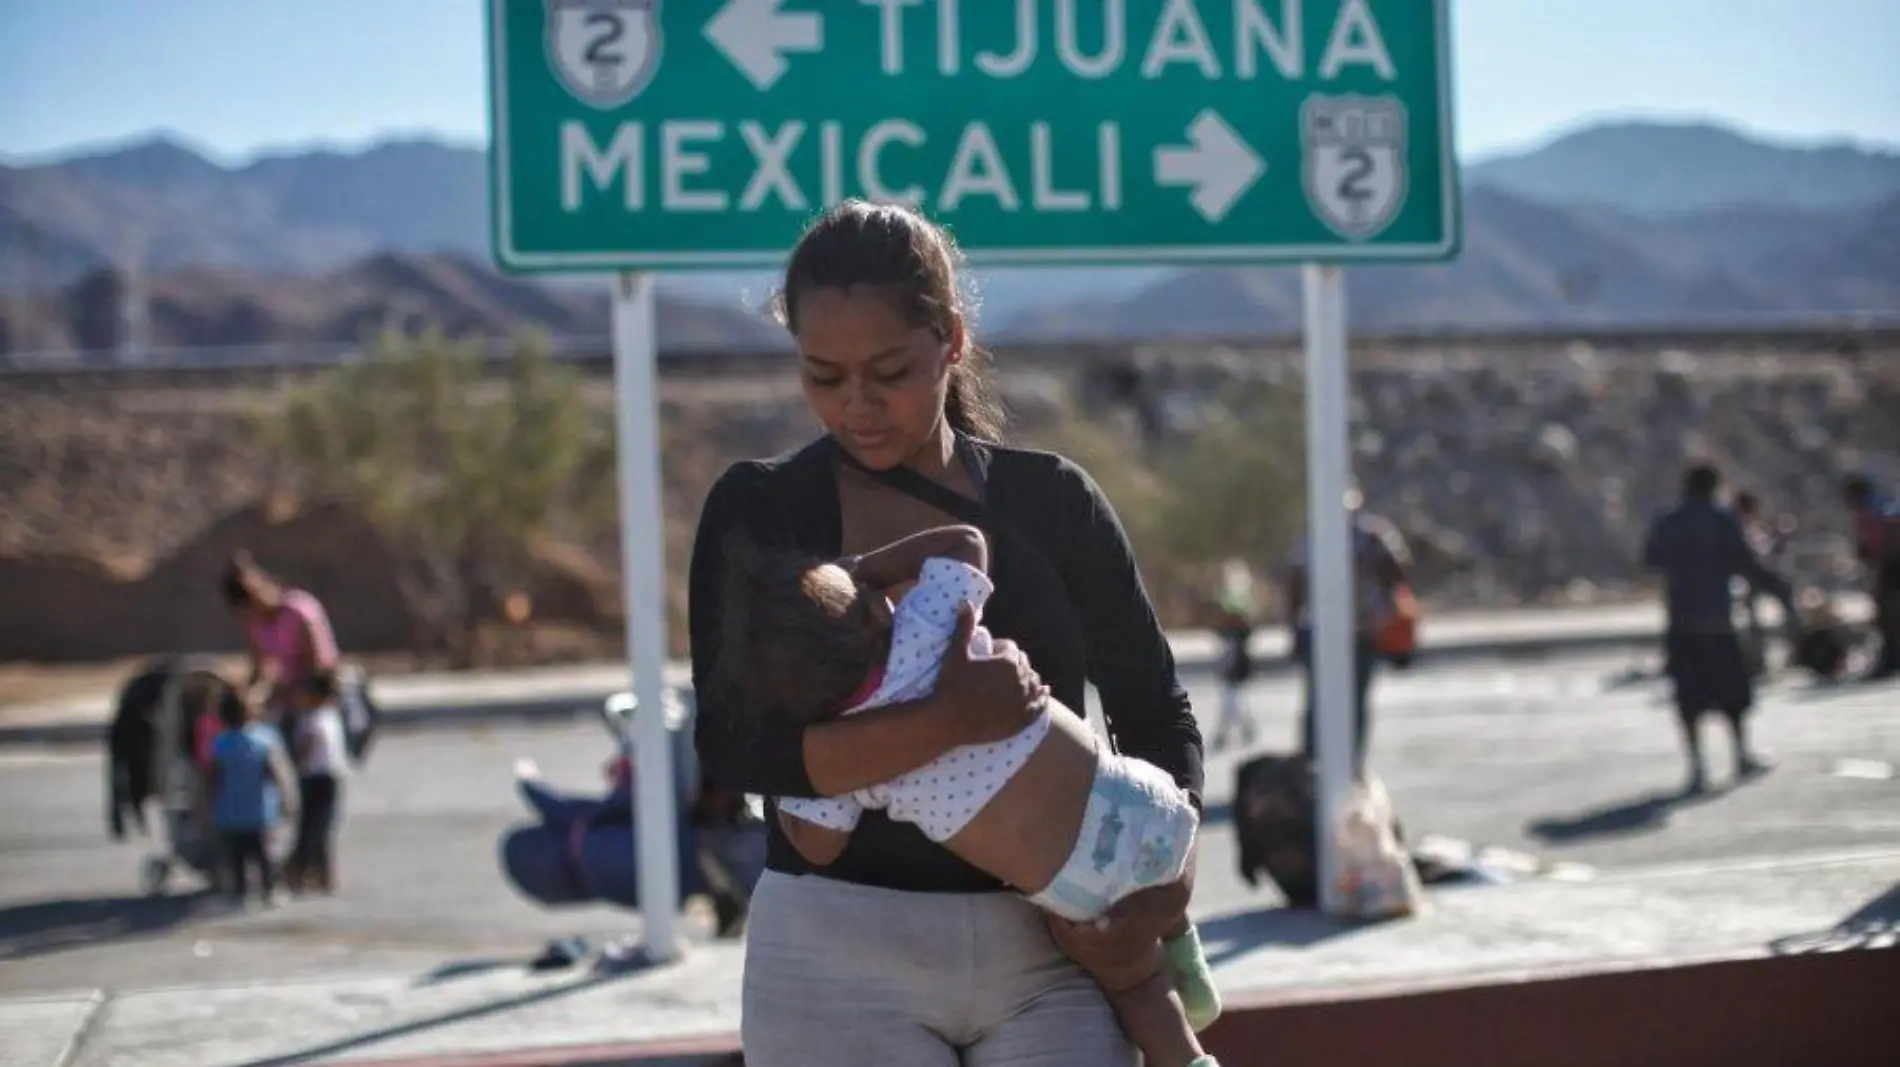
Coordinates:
(1228, 485)
(464, 465)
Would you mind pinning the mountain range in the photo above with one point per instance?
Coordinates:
(1611, 223)
(201, 306)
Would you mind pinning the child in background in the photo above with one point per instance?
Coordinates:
(249, 783)
(321, 756)
(1235, 630)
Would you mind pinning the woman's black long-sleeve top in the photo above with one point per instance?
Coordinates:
(1067, 592)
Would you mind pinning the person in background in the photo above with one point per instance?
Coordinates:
(322, 760)
(1235, 630)
(1700, 549)
(1381, 564)
(286, 631)
(1877, 543)
(248, 785)
(1766, 542)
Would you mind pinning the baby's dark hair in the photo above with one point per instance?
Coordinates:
(791, 645)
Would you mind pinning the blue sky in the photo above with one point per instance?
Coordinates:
(236, 77)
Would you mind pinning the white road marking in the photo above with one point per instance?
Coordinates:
(1870, 769)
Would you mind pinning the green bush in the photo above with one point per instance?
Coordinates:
(464, 465)
(1230, 486)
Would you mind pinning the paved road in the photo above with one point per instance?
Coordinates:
(1557, 758)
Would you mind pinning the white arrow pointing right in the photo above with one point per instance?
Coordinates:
(1216, 163)
(755, 35)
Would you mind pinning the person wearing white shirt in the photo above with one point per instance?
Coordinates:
(318, 747)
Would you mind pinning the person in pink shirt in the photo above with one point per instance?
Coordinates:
(286, 630)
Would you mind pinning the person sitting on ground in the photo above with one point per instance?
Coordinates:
(1051, 811)
(1825, 639)
(248, 785)
(581, 849)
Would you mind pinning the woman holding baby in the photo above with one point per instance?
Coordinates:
(892, 948)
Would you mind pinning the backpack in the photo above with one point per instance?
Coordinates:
(1274, 818)
(1397, 638)
(1273, 826)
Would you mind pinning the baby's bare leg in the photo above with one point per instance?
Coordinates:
(1151, 1014)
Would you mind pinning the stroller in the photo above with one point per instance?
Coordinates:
(160, 734)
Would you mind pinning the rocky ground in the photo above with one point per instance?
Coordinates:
(1524, 471)
(1529, 473)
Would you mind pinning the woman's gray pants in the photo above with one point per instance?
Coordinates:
(843, 975)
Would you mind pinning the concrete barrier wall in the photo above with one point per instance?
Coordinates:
(1819, 1010)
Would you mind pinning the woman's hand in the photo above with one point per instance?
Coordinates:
(992, 697)
(1117, 959)
(1117, 948)
(1149, 915)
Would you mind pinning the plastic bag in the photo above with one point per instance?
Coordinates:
(1376, 877)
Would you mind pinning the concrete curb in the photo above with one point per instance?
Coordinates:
(1631, 628)
(395, 720)
(1638, 925)
(1194, 664)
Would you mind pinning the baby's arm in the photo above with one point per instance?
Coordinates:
(923, 626)
(900, 561)
(819, 828)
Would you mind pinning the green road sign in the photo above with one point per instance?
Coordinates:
(676, 134)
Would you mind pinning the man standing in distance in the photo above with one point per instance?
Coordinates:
(1699, 547)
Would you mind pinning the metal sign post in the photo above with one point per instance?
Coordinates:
(643, 577)
(1329, 561)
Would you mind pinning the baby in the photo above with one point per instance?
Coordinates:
(1051, 811)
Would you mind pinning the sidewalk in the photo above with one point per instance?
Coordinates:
(434, 699)
(1635, 920)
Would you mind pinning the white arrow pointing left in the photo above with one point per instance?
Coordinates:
(755, 35)
(1216, 163)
